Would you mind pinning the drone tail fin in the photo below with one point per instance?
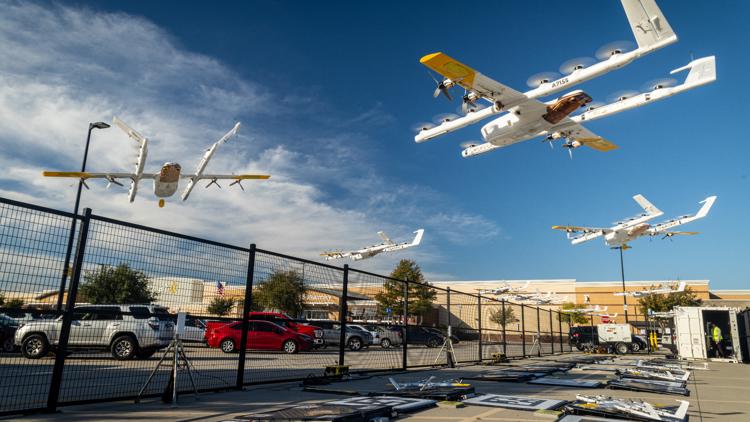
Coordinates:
(650, 27)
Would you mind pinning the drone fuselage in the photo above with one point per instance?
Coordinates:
(167, 181)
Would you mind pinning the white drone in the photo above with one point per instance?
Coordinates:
(167, 179)
(526, 118)
(505, 288)
(387, 246)
(595, 309)
(655, 291)
(632, 228)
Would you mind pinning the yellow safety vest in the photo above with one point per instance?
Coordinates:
(717, 334)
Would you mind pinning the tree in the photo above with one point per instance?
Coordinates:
(283, 291)
(220, 306)
(665, 302)
(121, 285)
(571, 318)
(421, 293)
(2, 299)
(503, 316)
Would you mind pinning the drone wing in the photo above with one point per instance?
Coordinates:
(385, 238)
(586, 233)
(110, 177)
(588, 138)
(472, 80)
(579, 229)
(335, 255)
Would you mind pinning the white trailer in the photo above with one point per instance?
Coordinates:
(692, 334)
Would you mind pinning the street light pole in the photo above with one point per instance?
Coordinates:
(69, 249)
(622, 274)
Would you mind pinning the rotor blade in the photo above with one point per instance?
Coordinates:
(577, 63)
(541, 78)
(616, 47)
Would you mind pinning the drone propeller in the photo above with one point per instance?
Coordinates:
(443, 87)
(569, 145)
(419, 127)
(469, 102)
(614, 48)
(622, 95)
(469, 144)
(111, 180)
(213, 182)
(593, 105)
(445, 117)
(551, 141)
(541, 78)
(237, 182)
(578, 63)
(660, 83)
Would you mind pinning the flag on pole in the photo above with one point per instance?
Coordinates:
(219, 288)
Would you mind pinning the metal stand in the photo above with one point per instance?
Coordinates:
(536, 345)
(178, 361)
(448, 348)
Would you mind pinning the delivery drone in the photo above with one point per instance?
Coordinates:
(595, 309)
(167, 179)
(427, 384)
(655, 291)
(536, 298)
(387, 246)
(632, 228)
(524, 117)
(504, 288)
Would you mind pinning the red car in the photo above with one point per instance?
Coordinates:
(285, 321)
(263, 335)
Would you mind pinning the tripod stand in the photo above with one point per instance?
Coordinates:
(536, 345)
(178, 360)
(448, 348)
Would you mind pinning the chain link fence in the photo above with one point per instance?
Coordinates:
(100, 325)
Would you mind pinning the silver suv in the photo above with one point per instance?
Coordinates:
(355, 340)
(127, 331)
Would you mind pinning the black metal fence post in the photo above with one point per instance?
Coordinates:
(559, 322)
(343, 312)
(523, 331)
(538, 332)
(479, 324)
(67, 316)
(450, 356)
(405, 316)
(551, 332)
(246, 307)
(504, 319)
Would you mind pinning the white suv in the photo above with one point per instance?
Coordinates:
(127, 331)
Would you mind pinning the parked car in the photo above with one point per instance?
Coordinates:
(638, 344)
(8, 327)
(262, 335)
(374, 335)
(286, 321)
(195, 330)
(355, 340)
(582, 337)
(127, 331)
(387, 336)
(429, 337)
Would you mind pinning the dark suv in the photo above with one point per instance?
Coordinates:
(429, 337)
(582, 337)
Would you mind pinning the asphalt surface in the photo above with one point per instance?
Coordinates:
(25, 383)
(718, 394)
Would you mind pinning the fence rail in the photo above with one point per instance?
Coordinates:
(98, 334)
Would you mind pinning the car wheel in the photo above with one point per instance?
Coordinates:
(385, 343)
(145, 353)
(580, 347)
(290, 346)
(433, 342)
(227, 345)
(124, 347)
(355, 344)
(8, 345)
(621, 348)
(635, 347)
(35, 346)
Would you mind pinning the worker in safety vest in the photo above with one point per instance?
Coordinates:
(717, 338)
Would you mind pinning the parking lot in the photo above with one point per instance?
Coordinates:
(96, 375)
(717, 394)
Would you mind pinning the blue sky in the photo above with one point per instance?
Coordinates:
(328, 93)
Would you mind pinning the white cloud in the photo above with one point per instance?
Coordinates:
(64, 67)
